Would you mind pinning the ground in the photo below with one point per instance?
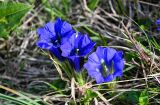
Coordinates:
(127, 25)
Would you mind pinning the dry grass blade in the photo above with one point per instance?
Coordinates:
(58, 69)
(10, 90)
(73, 88)
(102, 98)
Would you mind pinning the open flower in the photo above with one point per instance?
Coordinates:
(76, 48)
(105, 64)
(52, 35)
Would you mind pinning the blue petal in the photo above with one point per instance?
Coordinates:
(85, 41)
(44, 44)
(94, 71)
(50, 27)
(94, 58)
(86, 46)
(118, 64)
(109, 78)
(43, 34)
(76, 61)
(77, 40)
(47, 32)
(92, 67)
(66, 27)
(57, 53)
(100, 53)
(118, 68)
(109, 54)
(62, 28)
(67, 37)
(87, 49)
(118, 56)
(66, 49)
(58, 25)
(99, 78)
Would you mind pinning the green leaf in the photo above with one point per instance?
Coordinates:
(11, 15)
(131, 55)
(144, 99)
(120, 7)
(155, 44)
(89, 96)
(144, 23)
(67, 5)
(93, 4)
(130, 98)
(58, 84)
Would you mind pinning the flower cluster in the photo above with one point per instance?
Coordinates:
(64, 43)
(158, 23)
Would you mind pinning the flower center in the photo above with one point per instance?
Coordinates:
(56, 41)
(104, 68)
(76, 50)
(112, 70)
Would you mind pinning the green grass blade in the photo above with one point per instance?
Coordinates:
(15, 100)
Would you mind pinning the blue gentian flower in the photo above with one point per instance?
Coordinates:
(158, 23)
(52, 35)
(105, 64)
(76, 48)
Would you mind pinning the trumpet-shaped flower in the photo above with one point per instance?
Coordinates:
(52, 35)
(105, 64)
(76, 48)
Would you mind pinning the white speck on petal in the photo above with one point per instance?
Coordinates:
(77, 49)
(76, 35)
(102, 60)
(56, 41)
(97, 70)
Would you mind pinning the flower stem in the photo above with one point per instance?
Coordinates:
(79, 78)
